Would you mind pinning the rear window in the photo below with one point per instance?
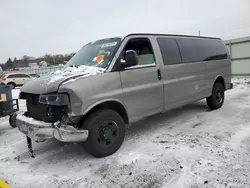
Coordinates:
(196, 49)
(169, 50)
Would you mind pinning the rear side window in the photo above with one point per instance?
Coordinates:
(34, 75)
(169, 50)
(196, 49)
(24, 76)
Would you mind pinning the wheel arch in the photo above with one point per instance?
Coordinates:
(112, 104)
(220, 79)
(11, 83)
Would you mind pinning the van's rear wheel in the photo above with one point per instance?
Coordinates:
(216, 100)
(106, 132)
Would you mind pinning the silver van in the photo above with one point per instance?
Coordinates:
(113, 82)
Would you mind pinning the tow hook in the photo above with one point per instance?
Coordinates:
(29, 143)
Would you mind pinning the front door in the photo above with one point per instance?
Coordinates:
(142, 84)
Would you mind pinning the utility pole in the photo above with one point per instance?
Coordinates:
(199, 33)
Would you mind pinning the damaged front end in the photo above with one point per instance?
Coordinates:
(47, 117)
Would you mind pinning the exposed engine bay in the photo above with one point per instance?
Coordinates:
(49, 113)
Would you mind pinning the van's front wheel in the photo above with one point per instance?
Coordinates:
(216, 100)
(106, 132)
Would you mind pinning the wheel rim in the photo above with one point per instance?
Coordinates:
(107, 134)
(219, 96)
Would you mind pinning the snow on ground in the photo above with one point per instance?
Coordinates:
(184, 148)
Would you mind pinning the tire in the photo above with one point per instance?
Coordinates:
(12, 120)
(106, 132)
(216, 100)
(12, 85)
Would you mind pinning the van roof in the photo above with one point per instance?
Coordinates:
(174, 35)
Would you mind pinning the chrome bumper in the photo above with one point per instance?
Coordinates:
(41, 131)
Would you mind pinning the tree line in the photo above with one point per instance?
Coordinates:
(51, 60)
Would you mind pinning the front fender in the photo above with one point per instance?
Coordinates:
(92, 106)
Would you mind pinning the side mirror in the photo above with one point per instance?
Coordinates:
(130, 59)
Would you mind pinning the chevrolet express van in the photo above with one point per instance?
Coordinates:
(113, 82)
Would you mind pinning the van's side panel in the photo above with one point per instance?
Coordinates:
(215, 69)
(209, 53)
(218, 68)
(183, 82)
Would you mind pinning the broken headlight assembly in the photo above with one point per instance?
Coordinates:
(54, 99)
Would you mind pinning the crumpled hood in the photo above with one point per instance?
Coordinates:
(51, 83)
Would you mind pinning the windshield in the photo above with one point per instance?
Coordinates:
(96, 54)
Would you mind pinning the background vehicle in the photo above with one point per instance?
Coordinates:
(16, 79)
(112, 82)
(1, 71)
(8, 106)
(34, 75)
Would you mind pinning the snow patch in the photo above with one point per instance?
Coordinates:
(132, 157)
(75, 71)
(74, 79)
(240, 80)
(240, 136)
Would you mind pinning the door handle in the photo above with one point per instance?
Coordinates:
(159, 74)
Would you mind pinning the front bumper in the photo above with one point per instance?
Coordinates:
(41, 131)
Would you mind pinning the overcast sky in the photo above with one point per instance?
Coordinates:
(36, 27)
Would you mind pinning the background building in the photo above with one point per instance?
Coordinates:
(239, 50)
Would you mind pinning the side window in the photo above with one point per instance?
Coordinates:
(13, 76)
(34, 75)
(197, 50)
(169, 50)
(144, 51)
(19, 75)
(25, 76)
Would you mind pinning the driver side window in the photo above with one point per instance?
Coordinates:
(144, 52)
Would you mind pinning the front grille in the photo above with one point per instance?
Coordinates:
(40, 111)
(35, 109)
